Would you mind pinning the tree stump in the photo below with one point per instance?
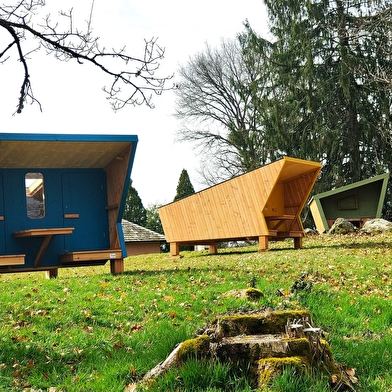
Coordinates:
(266, 342)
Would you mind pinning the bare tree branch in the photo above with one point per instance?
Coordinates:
(134, 79)
(218, 102)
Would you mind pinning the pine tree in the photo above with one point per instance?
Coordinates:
(134, 210)
(324, 103)
(184, 187)
(153, 220)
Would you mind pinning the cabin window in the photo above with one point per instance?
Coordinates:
(35, 195)
(348, 203)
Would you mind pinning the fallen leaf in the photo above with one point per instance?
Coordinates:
(119, 344)
(130, 388)
(133, 371)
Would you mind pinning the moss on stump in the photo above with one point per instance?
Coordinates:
(256, 324)
(198, 347)
(269, 368)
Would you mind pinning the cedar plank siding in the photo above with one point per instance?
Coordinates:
(238, 208)
(116, 171)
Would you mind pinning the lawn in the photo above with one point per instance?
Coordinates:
(90, 331)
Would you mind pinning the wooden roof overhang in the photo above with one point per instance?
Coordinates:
(62, 151)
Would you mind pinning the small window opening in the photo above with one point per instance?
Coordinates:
(35, 195)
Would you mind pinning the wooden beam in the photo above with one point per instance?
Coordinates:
(42, 250)
(263, 243)
(298, 242)
(213, 248)
(117, 266)
(53, 273)
(174, 248)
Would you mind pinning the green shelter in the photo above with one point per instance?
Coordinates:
(357, 203)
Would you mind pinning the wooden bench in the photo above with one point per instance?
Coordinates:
(7, 260)
(280, 219)
(114, 255)
(276, 221)
(47, 234)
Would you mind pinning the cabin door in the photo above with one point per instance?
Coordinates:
(84, 202)
(2, 224)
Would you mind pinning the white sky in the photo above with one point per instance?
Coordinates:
(72, 98)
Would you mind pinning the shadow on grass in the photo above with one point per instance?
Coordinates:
(308, 245)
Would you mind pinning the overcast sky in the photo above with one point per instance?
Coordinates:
(71, 94)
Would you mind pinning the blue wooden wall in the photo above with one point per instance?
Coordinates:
(67, 191)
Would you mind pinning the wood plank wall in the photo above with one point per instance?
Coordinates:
(227, 210)
(116, 172)
(236, 208)
(296, 192)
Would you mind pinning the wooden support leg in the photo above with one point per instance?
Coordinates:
(298, 242)
(42, 249)
(174, 248)
(213, 248)
(263, 243)
(117, 266)
(53, 273)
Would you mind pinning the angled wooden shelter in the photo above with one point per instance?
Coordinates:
(264, 204)
(357, 203)
(61, 200)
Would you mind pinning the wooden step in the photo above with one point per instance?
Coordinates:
(12, 259)
(91, 255)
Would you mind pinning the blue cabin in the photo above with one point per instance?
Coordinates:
(62, 199)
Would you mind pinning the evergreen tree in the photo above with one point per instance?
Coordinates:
(154, 223)
(184, 187)
(153, 220)
(324, 104)
(134, 210)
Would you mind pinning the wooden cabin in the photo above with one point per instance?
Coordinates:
(357, 203)
(140, 240)
(61, 200)
(264, 204)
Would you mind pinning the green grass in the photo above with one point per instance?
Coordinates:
(90, 331)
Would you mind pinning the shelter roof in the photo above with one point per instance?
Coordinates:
(382, 178)
(135, 233)
(60, 150)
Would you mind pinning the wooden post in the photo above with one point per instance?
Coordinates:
(298, 242)
(117, 266)
(174, 248)
(263, 243)
(52, 273)
(213, 248)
